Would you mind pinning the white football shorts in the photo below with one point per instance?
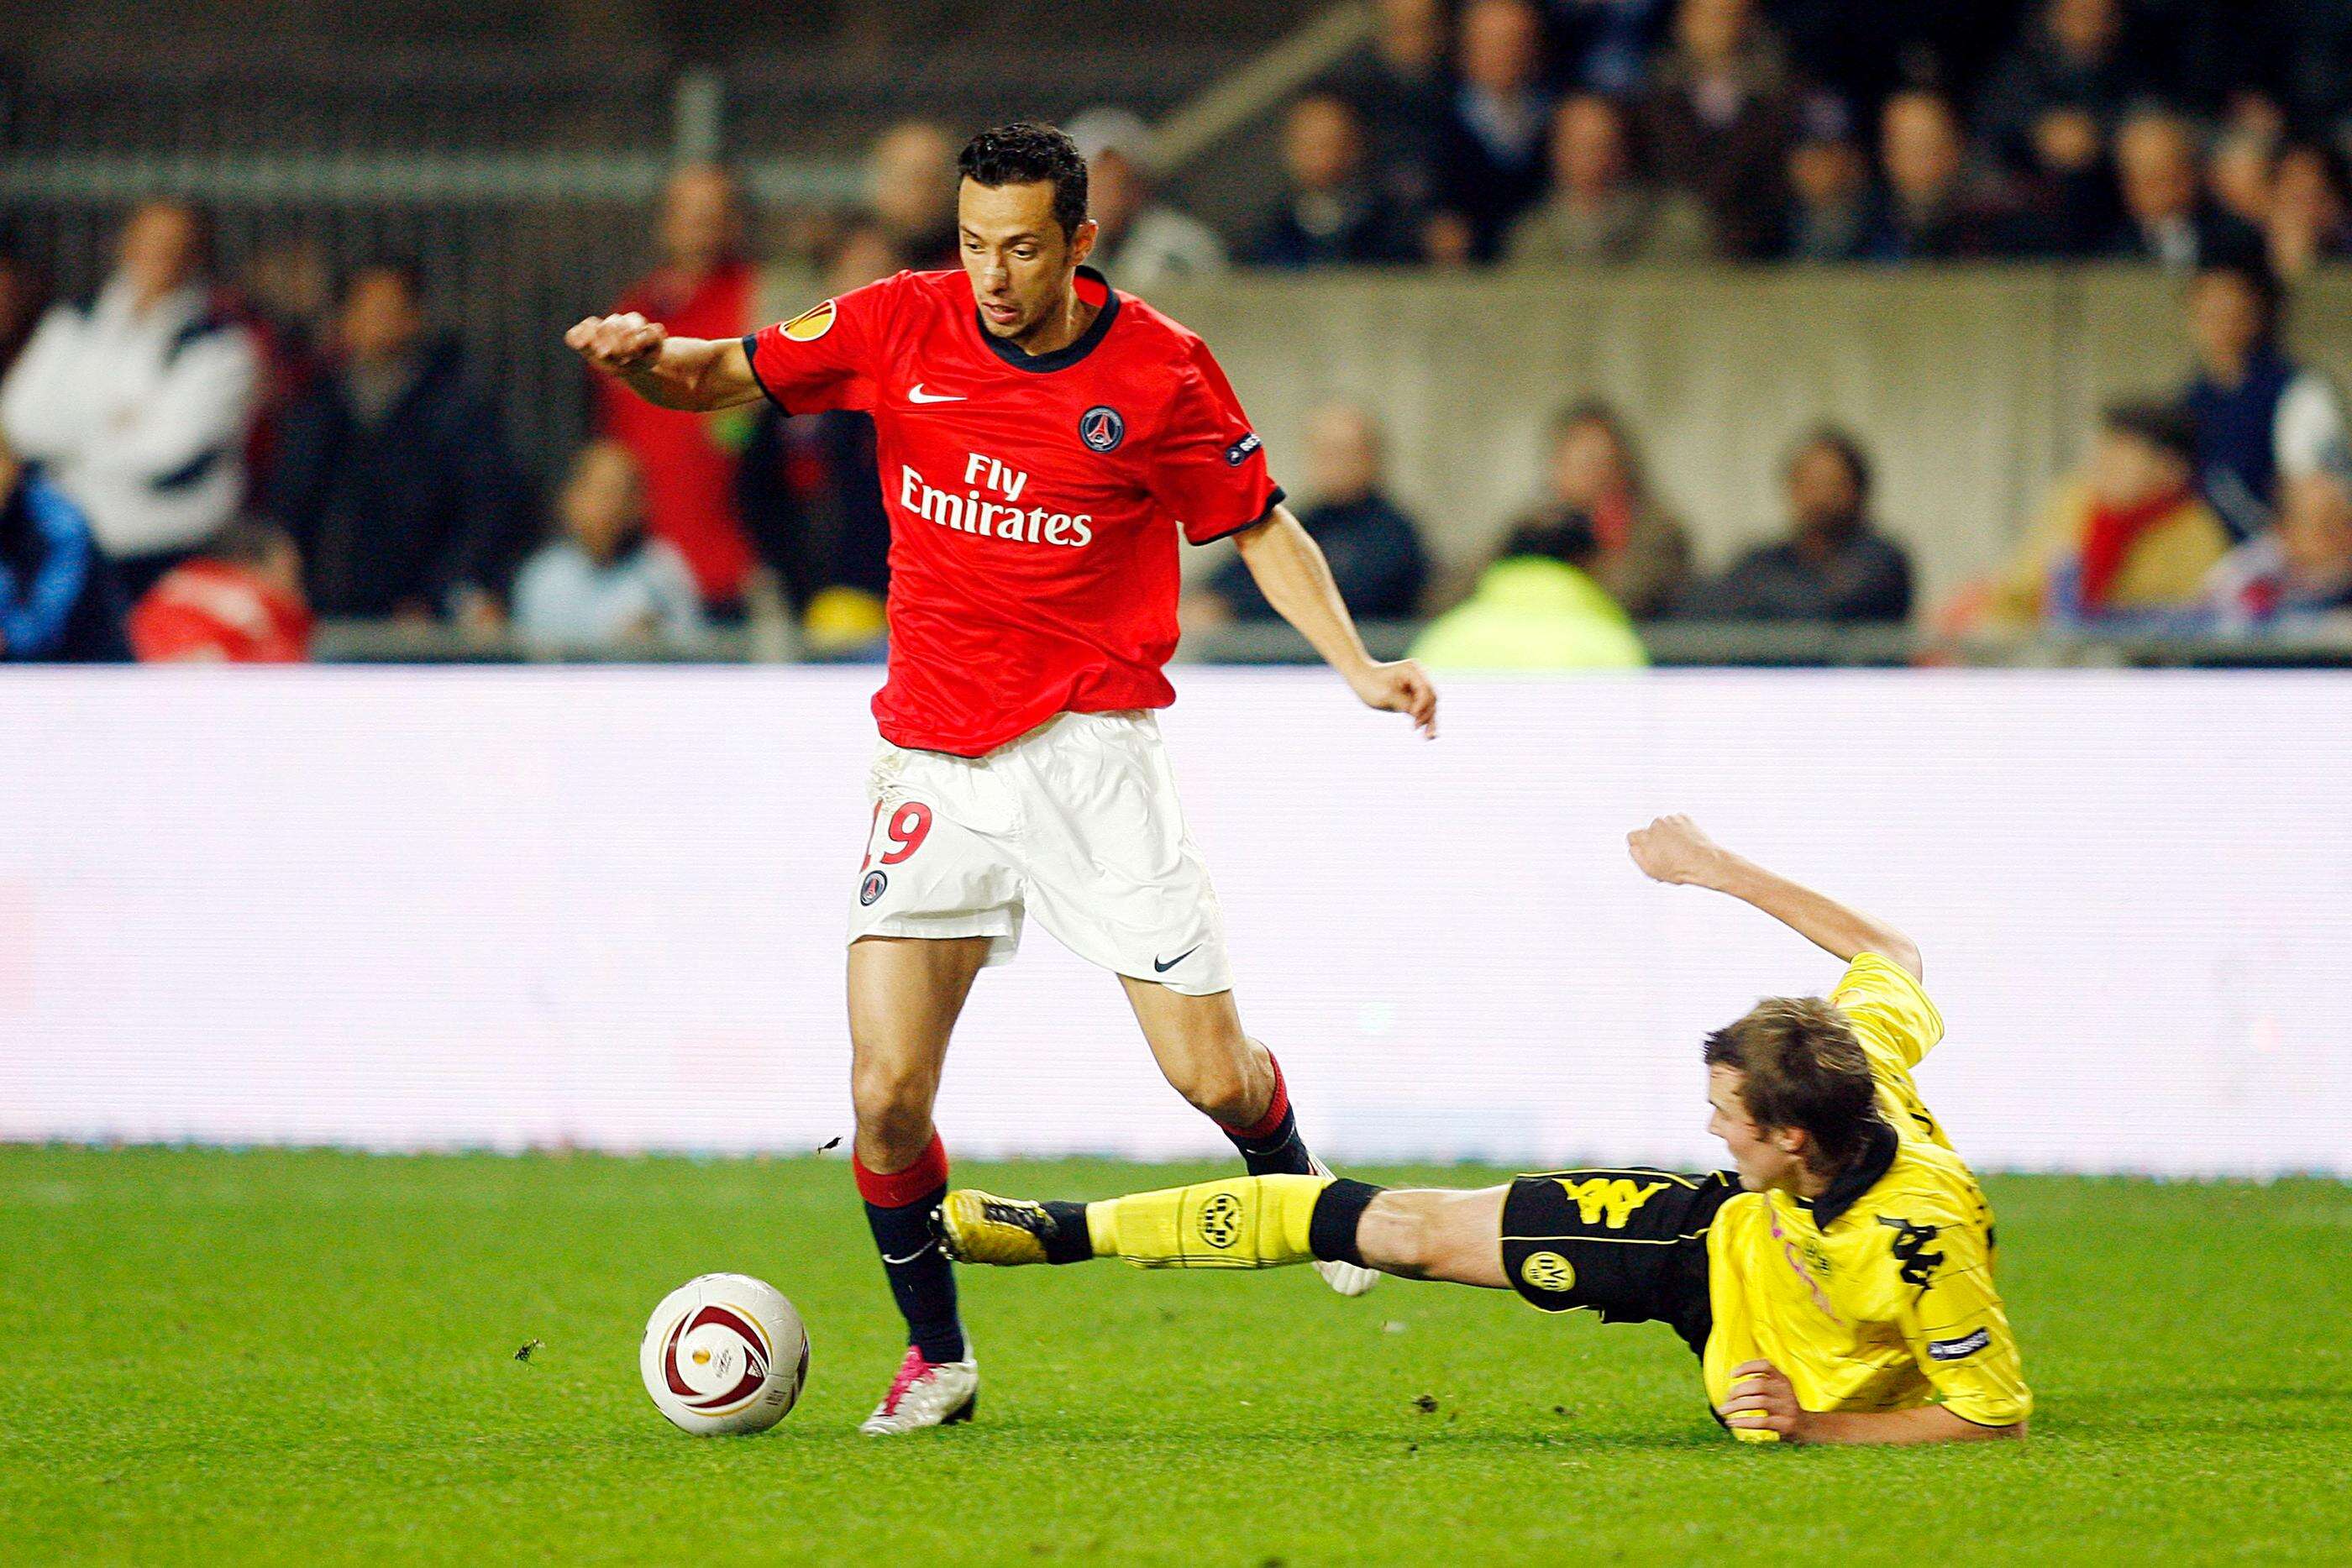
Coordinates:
(1077, 821)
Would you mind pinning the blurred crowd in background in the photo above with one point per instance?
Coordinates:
(199, 466)
(1814, 131)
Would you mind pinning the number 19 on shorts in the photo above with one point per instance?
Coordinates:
(909, 824)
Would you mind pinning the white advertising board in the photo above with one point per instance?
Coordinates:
(398, 909)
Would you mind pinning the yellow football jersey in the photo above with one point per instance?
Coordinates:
(1877, 1295)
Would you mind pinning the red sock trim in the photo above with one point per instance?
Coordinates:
(1276, 1109)
(896, 1189)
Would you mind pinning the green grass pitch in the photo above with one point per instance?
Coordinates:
(309, 1357)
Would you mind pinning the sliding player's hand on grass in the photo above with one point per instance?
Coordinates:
(617, 344)
(1763, 1400)
(1402, 687)
(1672, 849)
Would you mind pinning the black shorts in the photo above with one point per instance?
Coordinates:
(1628, 1244)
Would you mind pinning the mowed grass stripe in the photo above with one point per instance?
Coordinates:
(276, 1357)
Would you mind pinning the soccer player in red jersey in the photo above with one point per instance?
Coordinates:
(1043, 440)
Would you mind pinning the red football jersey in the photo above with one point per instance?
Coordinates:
(1034, 500)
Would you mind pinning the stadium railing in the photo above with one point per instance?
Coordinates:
(522, 183)
(523, 175)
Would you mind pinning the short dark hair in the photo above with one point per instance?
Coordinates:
(387, 264)
(2331, 164)
(1589, 411)
(2166, 426)
(206, 233)
(1027, 152)
(1571, 540)
(1849, 452)
(1346, 102)
(1603, 415)
(1803, 1068)
(2260, 278)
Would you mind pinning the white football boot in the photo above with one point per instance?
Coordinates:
(1348, 1278)
(926, 1393)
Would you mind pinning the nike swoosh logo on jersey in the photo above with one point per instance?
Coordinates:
(917, 395)
(1161, 965)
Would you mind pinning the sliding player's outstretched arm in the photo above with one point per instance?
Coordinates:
(693, 374)
(1673, 850)
(1762, 1400)
(1290, 571)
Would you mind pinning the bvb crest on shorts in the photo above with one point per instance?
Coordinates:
(1548, 1271)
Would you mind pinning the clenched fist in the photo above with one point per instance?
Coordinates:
(1672, 849)
(618, 344)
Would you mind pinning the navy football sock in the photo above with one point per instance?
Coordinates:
(899, 1211)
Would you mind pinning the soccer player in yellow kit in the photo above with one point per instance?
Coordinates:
(1838, 1287)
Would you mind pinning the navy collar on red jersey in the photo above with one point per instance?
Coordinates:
(1878, 1149)
(1065, 357)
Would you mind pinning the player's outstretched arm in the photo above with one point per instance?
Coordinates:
(1762, 1400)
(692, 373)
(1290, 571)
(1673, 850)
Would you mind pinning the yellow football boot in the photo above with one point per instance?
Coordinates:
(981, 1227)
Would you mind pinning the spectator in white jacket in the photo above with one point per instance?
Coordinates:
(137, 402)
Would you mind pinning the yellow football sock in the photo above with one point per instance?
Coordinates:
(1242, 1222)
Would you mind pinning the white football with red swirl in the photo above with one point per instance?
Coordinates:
(724, 1354)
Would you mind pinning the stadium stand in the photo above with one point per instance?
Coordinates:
(522, 169)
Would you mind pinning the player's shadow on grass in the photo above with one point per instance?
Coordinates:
(2311, 1409)
(1437, 1435)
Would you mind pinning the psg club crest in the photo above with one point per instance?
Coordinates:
(871, 888)
(1101, 428)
